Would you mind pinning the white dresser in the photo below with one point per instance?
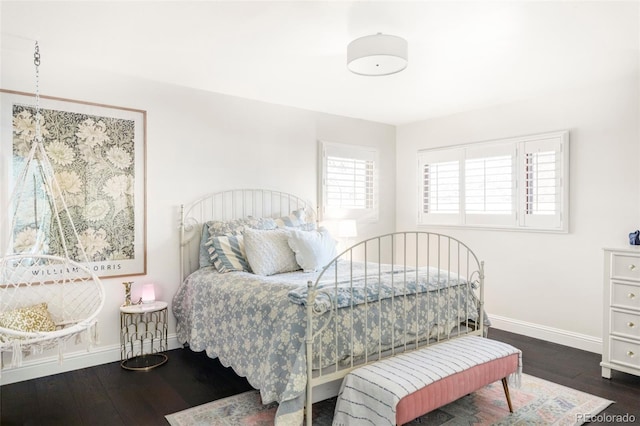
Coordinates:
(621, 337)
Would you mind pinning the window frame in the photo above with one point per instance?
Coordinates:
(520, 218)
(369, 213)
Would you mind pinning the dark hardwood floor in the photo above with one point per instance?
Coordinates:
(109, 395)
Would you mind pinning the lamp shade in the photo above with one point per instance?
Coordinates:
(378, 54)
(148, 293)
(347, 229)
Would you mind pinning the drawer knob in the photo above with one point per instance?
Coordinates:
(630, 354)
(632, 267)
(630, 324)
(631, 296)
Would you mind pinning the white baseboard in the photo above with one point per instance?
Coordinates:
(46, 366)
(550, 334)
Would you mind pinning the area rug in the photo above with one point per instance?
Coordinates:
(535, 402)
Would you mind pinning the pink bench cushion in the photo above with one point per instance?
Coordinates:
(453, 387)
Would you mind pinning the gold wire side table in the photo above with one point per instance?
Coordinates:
(143, 336)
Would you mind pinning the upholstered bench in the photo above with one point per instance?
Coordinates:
(399, 389)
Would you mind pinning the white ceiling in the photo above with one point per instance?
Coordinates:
(462, 55)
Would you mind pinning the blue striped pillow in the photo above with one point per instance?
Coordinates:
(227, 253)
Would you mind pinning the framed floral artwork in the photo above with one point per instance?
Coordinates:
(97, 159)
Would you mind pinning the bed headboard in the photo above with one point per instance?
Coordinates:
(229, 205)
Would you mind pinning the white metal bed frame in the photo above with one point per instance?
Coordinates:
(229, 205)
(406, 250)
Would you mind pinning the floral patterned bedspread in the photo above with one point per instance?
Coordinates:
(361, 282)
(250, 323)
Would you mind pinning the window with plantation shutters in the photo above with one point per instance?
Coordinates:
(541, 183)
(349, 181)
(440, 190)
(544, 192)
(439, 195)
(489, 185)
(518, 183)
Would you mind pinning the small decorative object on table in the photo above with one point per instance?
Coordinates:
(634, 238)
(143, 335)
(127, 293)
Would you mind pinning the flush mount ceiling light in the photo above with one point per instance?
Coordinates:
(378, 54)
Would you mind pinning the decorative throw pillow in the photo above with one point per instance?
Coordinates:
(228, 253)
(313, 249)
(293, 220)
(237, 226)
(268, 252)
(215, 228)
(30, 319)
(204, 258)
(297, 219)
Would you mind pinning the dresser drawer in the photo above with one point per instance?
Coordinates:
(623, 352)
(625, 324)
(625, 295)
(625, 267)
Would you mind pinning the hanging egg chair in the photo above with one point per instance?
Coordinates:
(46, 295)
(39, 312)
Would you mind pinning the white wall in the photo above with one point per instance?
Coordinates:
(540, 284)
(197, 142)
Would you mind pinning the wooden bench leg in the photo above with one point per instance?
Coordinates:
(506, 393)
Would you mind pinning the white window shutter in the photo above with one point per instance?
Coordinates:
(544, 167)
(439, 173)
(490, 181)
(349, 181)
(441, 187)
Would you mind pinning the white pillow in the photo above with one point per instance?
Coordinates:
(268, 251)
(313, 249)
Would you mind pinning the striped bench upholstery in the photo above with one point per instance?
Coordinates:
(399, 389)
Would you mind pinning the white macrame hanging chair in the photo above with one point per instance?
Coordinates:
(40, 269)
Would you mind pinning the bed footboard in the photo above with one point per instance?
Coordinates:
(389, 295)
